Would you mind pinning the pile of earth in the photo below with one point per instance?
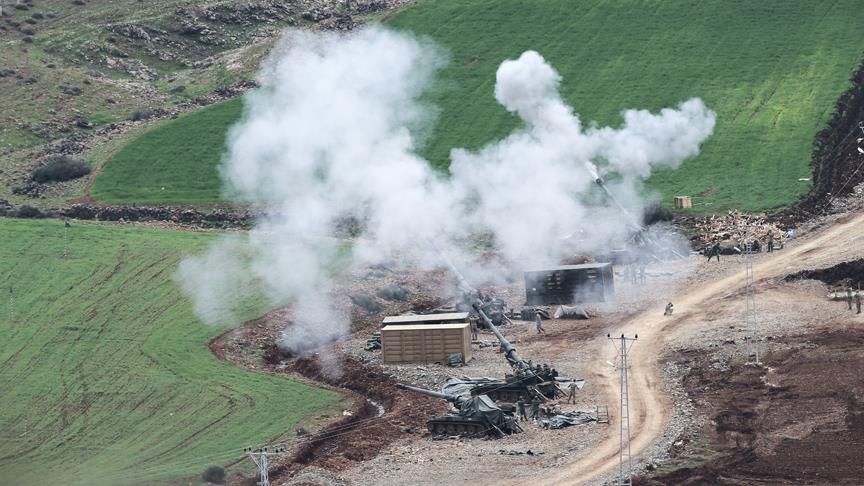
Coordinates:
(364, 434)
(846, 274)
(797, 419)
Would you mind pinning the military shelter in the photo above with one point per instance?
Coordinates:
(425, 343)
(569, 284)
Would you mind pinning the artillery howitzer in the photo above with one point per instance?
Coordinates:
(640, 233)
(474, 416)
(527, 380)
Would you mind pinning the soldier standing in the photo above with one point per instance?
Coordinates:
(849, 297)
(538, 323)
(473, 328)
(770, 242)
(520, 407)
(535, 408)
(858, 301)
(571, 398)
(714, 251)
(642, 279)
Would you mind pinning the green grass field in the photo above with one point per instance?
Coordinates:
(174, 162)
(771, 70)
(105, 373)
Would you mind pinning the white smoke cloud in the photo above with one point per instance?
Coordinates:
(333, 132)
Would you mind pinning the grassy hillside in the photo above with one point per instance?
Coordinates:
(175, 162)
(105, 374)
(771, 70)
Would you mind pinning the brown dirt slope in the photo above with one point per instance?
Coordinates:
(799, 421)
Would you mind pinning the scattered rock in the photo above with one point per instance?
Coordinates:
(366, 302)
(394, 292)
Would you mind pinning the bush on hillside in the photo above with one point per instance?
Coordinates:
(655, 213)
(143, 115)
(60, 168)
(214, 474)
(28, 212)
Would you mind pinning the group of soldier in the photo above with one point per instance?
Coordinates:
(716, 249)
(857, 295)
(535, 409)
(636, 272)
(522, 411)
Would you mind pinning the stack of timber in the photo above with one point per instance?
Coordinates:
(737, 228)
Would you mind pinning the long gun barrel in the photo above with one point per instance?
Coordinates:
(466, 289)
(450, 398)
(634, 223)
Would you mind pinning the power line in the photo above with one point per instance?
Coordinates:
(624, 417)
(750, 319)
(260, 458)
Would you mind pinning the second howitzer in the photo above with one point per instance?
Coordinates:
(640, 233)
(474, 416)
(527, 379)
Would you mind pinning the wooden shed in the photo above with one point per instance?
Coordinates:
(448, 318)
(425, 343)
(682, 202)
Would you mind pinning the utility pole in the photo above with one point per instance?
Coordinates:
(750, 320)
(260, 458)
(11, 303)
(623, 349)
(65, 239)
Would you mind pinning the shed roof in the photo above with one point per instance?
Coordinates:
(452, 316)
(584, 266)
(428, 327)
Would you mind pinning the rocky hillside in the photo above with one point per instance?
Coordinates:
(72, 70)
(71, 65)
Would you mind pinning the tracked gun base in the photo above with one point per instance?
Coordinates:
(474, 416)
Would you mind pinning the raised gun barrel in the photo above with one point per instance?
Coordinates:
(466, 289)
(443, 396)
(634, 223)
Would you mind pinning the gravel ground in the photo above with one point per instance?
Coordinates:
(569, 346)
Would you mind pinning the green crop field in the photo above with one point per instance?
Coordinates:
(105, 373)
(771, 70)
(174, 162)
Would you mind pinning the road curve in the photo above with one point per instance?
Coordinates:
(649, 407)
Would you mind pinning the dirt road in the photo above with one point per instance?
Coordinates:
(649, 407)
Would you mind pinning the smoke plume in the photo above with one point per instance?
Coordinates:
(333, 132)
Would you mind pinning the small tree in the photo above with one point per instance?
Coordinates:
(60, 168)
(214, 474)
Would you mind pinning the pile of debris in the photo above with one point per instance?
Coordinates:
(734, 228)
